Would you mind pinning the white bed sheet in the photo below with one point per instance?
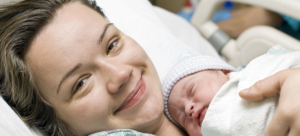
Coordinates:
(158, 35)
(185, 32)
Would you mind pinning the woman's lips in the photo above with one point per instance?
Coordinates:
(134, 96)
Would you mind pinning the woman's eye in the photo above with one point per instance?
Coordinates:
(79, 85)
(112, 45)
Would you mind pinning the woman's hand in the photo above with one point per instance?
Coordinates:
(287, 116)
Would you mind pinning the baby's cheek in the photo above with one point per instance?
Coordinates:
(192, 129)
(173, 111)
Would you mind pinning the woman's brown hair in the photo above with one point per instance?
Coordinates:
(19, 25)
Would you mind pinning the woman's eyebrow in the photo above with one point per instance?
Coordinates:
(79, 65)
(67, 75)
(103, 33)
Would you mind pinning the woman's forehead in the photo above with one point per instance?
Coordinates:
(76, 11)
(72, 23)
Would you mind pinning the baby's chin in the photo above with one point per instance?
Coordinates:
(194, 131)
(195, 134)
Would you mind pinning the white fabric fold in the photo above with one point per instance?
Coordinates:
(230, 115)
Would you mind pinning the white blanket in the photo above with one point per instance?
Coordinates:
(230, 115)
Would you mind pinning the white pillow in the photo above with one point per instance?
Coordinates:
(139, 20)
(185, 32)
(10, 123)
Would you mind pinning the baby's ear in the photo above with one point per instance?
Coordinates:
(226, 71)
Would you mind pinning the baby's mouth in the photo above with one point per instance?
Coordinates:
(199, 116)
(202, 115)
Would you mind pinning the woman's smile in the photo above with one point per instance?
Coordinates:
(134, 97)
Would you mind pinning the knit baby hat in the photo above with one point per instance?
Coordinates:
(189, 65)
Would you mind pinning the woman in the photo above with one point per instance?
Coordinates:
(68, 71)
(90, 76)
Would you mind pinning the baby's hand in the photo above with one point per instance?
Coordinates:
(287, 116)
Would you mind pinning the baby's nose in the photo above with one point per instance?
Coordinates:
(189, 110)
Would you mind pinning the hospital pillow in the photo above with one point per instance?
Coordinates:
(164, 42)
(163, 36)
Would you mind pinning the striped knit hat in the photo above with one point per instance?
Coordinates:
(187, 66)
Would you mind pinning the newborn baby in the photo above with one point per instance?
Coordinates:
(193, 83)
(205, 87)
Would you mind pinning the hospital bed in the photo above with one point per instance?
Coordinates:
(165, 36)
(254, 41)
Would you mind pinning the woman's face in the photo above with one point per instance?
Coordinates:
(95, 77)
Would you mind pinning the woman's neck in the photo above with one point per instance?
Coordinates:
(167, 128)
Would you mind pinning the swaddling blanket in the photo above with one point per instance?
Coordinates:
(230, 115)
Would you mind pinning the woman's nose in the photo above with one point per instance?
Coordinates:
(117, 76)
(189, 109)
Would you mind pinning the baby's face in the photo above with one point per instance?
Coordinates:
(191, 96)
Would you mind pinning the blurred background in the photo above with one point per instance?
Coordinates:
(5, 1)
(234, 18)
(185, 8)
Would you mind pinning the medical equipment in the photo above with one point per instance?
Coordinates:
(165, 36)
(254, 41)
